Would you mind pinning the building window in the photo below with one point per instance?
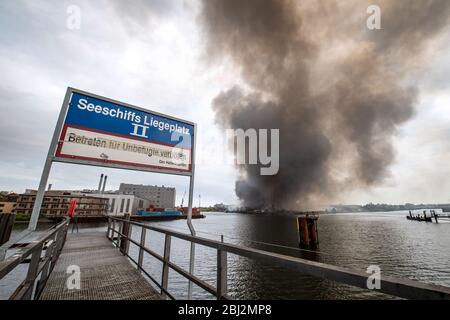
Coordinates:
(128, 205)
(122, 203)
(113, 203)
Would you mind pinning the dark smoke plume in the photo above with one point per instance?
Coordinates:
(336, 90)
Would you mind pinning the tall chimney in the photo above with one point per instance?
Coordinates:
(100, 183)
(104, 184)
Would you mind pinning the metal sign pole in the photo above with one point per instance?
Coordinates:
(189, 217)
(48, 164)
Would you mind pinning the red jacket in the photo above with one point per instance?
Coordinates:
(72, 207)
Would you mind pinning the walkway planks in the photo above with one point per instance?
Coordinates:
(105, 273)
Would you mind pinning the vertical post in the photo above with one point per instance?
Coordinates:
(32, 272)
(113, 231)
(221, 274)
(109, 229)
(141, 248)
(49, 254)
(60, 238)
(129, 233)
(48, 163)
(303, 231)
(165, 270)
(189, 217)
(126, 234)
(317, 232)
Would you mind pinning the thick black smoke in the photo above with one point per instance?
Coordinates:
(336, 90)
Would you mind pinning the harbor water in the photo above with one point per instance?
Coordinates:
(415, 250)
(403, 248)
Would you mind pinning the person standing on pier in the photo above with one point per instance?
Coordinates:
(71, 214)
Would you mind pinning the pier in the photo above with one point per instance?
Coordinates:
(106, 274)
(425, 218)
(109, 272)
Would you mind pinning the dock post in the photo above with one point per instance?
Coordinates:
(305, 233)
(313, 232)
(308, 235)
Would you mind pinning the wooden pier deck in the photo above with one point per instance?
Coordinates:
(106, 274)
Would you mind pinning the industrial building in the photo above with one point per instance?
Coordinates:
(56, 204)
(8, 202)
(130, 198)
(160, 197)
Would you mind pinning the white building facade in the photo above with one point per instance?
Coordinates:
(120, 204)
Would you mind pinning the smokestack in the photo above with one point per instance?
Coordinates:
(100, 183)
(104, 184)
(49, 187)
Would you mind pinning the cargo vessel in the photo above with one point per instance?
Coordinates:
(159, 212)
(168, 213)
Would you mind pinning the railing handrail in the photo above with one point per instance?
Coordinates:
(27, 289)
(400, 287)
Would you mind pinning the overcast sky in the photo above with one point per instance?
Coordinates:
(151, 55)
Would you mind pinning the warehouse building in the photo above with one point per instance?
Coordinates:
(56, 204)
(159, 197)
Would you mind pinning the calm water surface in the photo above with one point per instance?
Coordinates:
(415, 250)
(411, 249)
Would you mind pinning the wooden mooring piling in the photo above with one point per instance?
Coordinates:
(308, 235)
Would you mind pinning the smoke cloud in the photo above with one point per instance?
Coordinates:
(337, 91)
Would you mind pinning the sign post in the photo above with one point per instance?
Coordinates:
(189, 219)
(48, 164)
(98, 131)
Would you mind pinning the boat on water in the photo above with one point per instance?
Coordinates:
(422, 217)
(185, 210)
(163, 213)
(167, 212)
(418, 218)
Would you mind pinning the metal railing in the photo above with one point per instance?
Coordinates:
(41, 256)
(399, 287)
